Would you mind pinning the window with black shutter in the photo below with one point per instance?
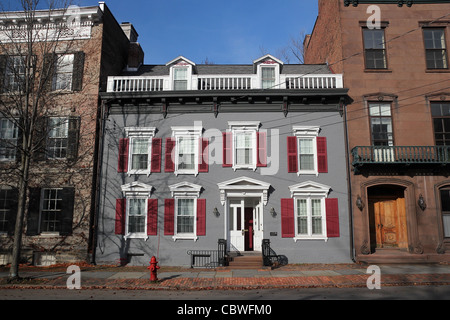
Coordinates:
(50, 211)
(8, 210)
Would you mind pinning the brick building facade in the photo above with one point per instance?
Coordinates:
(397, 73)
(60, 206)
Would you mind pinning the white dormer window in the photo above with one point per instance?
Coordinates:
(181, 70)
(268, 69)
(180, 78)
(267, 77)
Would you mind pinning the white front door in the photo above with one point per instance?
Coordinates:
(236, 225)
(258, 226)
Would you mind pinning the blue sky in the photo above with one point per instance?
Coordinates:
(224, 32)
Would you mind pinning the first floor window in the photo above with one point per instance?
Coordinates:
(310, 217)
(8, 139)
(51, 210)
(8, 209)
(185, 216)
(137, 214)
(445, 208)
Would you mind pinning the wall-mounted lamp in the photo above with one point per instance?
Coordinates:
(273, 213)
(421, 202)
(359, 203)
(216, 212)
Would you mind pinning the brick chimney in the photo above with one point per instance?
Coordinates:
(135, 52)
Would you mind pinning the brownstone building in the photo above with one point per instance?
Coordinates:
(61, 198)
(394, 58)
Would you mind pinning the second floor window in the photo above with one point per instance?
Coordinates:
(435, 48)
(15, 73)
(8, 139)
(375, 49)
(441, 122)
(381, 124)
(62, 79)
(57, 138)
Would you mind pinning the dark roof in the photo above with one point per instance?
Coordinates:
(214, 69)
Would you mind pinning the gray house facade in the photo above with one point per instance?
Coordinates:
(241, 155)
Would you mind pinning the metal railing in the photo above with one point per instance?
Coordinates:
(269, 256)
(209, 258)
(223, 82)
(400, 155)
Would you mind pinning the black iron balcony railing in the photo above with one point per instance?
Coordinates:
(401, 155)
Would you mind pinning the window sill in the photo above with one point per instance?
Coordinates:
(185, 237)
(49, 234)
(308, 173)
(136, 236)
(437, 71)
(320, 238)
(377, 71)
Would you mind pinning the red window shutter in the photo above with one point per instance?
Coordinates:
(123, 155)
(156, 154)
(287, 218)
(322, 157)
(201, 217)
(120, 216)
(152, 217)
(332, 208)
(261, 141)
(227, 149)
(169, 217)
(203, 165)
(292, 154)
(169, 161)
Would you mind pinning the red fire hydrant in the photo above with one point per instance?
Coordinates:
(153, 269)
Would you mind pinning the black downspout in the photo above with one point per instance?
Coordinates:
(349, 182)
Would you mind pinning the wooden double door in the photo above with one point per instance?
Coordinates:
(388, 223)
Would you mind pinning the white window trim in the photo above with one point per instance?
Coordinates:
(180, 62)
(185, 190)
(236, 127)
(268, 61)
(136, 235)
(301, 132)
(309, 191)
(195, 133)
(41, 209)
(136, 190)
(139, 133)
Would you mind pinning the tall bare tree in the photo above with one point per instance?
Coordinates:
(28, 54)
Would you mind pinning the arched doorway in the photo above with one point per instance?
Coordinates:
(387, 217)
